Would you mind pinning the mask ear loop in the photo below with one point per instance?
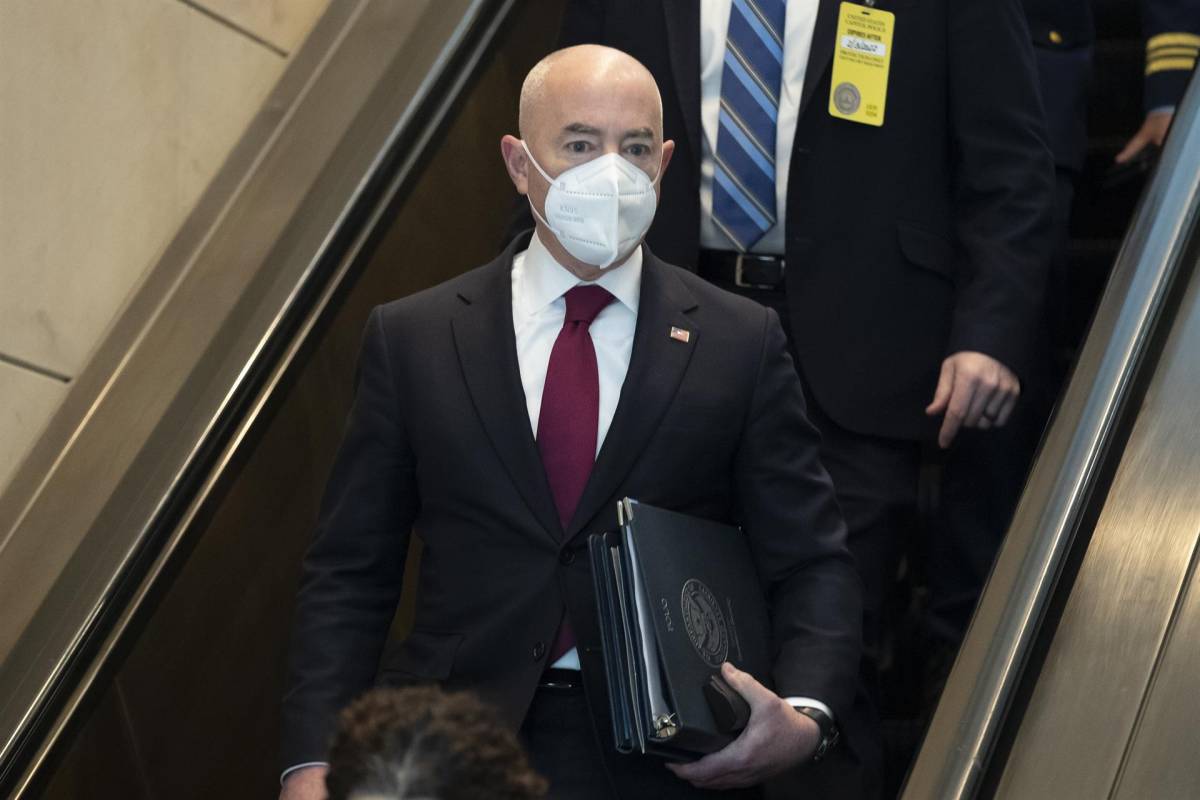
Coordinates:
(536, 165)
(549, 180)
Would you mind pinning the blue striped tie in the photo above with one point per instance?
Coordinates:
(744, 185)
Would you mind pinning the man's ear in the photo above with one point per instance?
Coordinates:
(668, 150)
(516, 162)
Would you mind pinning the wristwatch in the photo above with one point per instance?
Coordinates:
(829, 731)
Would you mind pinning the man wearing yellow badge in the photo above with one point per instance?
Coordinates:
(878, 173)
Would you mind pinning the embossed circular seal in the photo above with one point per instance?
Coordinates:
(705, 623)
(846, 97)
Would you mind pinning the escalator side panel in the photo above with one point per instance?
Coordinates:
(1101, 663)
(1162, 759)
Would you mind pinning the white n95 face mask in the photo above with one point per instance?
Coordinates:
(600, 209)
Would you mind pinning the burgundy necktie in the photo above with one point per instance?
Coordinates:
(570, 415)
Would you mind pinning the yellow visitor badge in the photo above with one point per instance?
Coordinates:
(862, 56)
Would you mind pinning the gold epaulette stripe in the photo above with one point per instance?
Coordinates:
(1175, 49)
(1166, 64)
(1170, 39)
(1171, 52)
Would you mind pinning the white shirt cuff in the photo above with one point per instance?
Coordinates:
(290, 770)
(808, 702)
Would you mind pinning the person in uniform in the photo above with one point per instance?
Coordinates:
(1172, 30)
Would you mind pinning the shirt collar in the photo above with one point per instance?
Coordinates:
(545, 280)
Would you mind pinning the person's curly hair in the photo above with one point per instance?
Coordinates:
(420, 742)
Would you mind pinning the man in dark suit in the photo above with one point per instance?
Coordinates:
(985, 474)
(982, 476)
(908, 259)
(501, 416)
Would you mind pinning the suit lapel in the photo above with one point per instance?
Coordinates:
(821, 52)
(487, 351)
(656, 367)
(683, 41)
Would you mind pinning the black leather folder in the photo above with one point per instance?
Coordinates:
(677, 596)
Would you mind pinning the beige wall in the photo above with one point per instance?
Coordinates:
(114, 116)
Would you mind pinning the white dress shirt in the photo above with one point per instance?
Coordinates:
(538, 285)
(539, 308)
(797, 41)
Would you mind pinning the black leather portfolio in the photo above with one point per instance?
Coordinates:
(677, 596)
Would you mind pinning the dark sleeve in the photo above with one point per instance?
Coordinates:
(1172, 29)
(350, 584)
(797, 536)
(1004, 182)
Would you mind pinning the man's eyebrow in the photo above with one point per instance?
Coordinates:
(579, 127)
(638, 133)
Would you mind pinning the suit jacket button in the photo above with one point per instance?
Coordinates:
(539, 650)
(566, 557)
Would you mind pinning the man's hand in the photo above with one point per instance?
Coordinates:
(1152, 132)
(306, 783)
(776, 737)
(974, 390)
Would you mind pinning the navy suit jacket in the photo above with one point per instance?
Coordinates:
(438, 443)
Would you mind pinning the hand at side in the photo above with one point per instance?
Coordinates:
(1153, 132)
(974, 391)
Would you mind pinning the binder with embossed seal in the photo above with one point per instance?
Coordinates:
(677, 596)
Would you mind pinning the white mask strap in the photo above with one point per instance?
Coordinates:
(536, 165)
(549, 180)
(540, 218)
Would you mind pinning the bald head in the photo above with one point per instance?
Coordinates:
(585, 70)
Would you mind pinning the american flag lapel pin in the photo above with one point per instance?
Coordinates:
(680, 335)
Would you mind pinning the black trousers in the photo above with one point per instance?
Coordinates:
(981, 483)
(946, 511)
(565, 748)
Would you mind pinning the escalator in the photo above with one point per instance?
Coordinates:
(150, 546)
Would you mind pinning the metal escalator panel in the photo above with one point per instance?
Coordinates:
(1114, 490)
(1160, 756)
(1114, 709)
